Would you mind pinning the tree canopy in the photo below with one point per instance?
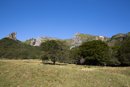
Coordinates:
(124, 52)
(52, 50)
(94, 52)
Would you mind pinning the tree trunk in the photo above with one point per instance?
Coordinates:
(54, 61)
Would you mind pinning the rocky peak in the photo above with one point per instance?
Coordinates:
(12, 36)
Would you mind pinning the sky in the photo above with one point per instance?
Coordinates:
(63, 18)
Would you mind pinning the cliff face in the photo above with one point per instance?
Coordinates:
(79, 38)
(35, 42)
(38, 41)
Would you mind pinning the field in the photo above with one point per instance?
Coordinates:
(32, 73)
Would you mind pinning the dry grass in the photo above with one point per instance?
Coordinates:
(32, 73)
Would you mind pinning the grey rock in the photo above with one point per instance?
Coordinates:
(12, 36)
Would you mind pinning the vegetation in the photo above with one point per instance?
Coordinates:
(113, 59)
(32, 73)
(94, 52)
(65, 73)
(16, 49)
(53, 50)
(114, 52)
(124, 52)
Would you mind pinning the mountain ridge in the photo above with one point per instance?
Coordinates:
(76, 40)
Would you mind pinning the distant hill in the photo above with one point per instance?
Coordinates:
(77, 39)
(10, 48)
(38, 41)
(116, 40)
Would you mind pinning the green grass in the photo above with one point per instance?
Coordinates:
(32, 73)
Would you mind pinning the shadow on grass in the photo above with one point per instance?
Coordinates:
(61, 64)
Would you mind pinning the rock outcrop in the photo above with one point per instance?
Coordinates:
(38, 41)
(12, 36)
(35, 42)
(79, 38)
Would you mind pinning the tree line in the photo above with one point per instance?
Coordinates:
(94, 52)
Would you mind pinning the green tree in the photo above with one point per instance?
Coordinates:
(74, 55)
(113, 52)
(51, 49)
(64, 52)
(124, 52)
(94, 52)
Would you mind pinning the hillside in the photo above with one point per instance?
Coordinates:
(32, 73)
(76, 40)
(116, 40)
(10, 48)
(79, 38)
(71, 50)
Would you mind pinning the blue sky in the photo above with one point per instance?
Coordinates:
(63, 18)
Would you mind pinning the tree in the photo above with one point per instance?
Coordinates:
(51, 49)
(74, 55)
(94, 52)
(113, 52)
(124, 52)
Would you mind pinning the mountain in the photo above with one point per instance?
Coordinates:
(116, 40)
(38, 41)
(10, 47)
(77, 39)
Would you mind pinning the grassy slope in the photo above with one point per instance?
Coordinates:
(32, 73)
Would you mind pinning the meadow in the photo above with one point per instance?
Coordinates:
(33, 73)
